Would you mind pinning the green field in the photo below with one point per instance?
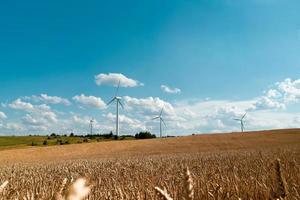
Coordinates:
(19, 141)
(7, 142)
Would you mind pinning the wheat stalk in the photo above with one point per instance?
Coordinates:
(189, 185)
(281, 191)
(59, 195)
(163, 193)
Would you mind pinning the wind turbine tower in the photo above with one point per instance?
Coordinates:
(241, 120)
(117, 99)
(161, 120)
(91, 126)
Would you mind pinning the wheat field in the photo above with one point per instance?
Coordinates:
(263, 165)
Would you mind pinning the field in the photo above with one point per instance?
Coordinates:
(261, 165)
(11, 142)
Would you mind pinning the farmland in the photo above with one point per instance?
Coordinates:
(11, 142)
(222, 166)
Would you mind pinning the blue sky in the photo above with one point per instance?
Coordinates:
(224, 57)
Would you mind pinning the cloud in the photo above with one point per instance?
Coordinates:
(207, 116)
(169, 90)
(268, 103)
(272, 109)
(18, 104)
(28, 119)
(49, 99)
(35, 123)
(113, 79)
(38, 117)
(290, 90)
(128, 123)
(280, 95)
(90, 101)
(2, 115)
(11, 127)
(82, 124)
(148, 106)
(81, 120)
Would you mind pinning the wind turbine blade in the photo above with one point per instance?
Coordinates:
(117, 89)
(237, 119)
(121, 104)
(163, 122)
(111, 101)
(155, 118)
(161, 111)
(244, 116)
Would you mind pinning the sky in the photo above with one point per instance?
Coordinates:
(205, 62)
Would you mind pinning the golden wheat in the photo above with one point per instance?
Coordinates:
(163, 193)
(189, 185)
(235, 174)
(77, 191)
(2, 186)
(281, 188)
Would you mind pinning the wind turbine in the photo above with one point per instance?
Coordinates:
(117, 99)
(160, 122)
(91, 126)
(241, 120)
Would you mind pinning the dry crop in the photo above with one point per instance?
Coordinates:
(255, 169)
(225, 175)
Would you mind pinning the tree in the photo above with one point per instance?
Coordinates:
(71, 134)
(33, 143)
(111, 134)
(144, 135)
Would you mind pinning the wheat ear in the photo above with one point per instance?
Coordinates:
(78, 190)
(163, 193)
(3, 186)
(59, 195)
(189, 185)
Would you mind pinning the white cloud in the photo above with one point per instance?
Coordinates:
(40, 117)
(90, 101)
(148, 106)
(207, 116)
(113, 79)
(2, 115)
(35, 123)
(49, 99)
(130, 124)
(81, 120)
(290, 90)
(11, 127)
(170, 90)
(42, 109)
(49, 116)
(280, 95)
(82, 124)
(266, 102)
(18, 104)
(28, 119)
(273, 93)
(270, 110)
